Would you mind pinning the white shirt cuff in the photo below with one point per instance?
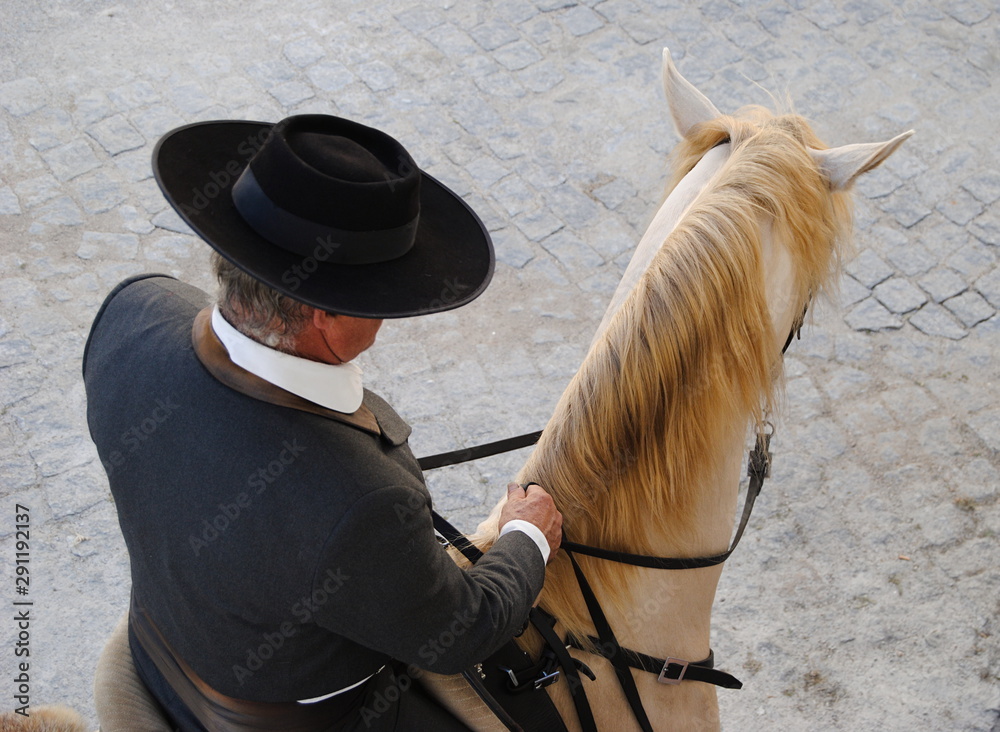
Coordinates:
(532, 531)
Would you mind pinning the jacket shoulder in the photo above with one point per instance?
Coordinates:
(150, 282)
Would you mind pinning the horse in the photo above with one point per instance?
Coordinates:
(644, 449)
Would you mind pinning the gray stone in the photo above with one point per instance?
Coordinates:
(899, 295)
(989, 286)
(156, 121)
(190, 98)
(92, 107)
(845, 382)
(291, 93)
(851, 291)
(76, 490)
(961, 207)
(571, 251)
(514, 195)
(518, 55)
(451, 41)
(512, 248)
(116, 135)
(107, 245)
(271, 72)
(133, 95)
(135, 165)
(912, 259)
(37, 190)
(206, 63)
(485, 171)
(986, 228)
(476, 115)
(870, 315)
(868, 269)
(615, 193)
(935, 320)
(979, 479)
(493, 34)
(98, 192)
(968, 12)
(581, 21)
(169, 249)
(13, 352)
(22, 96)
(905, 210)
(970, 308)
(984, 186)
(303, 51)
(540, 77)
(69, 161)
(51, 127)
(377, 75)
(942, 283)
(879, 183)
(972, 260)
(8, 202)
(908, 404)
(573, 207)
(63, 211)
(420, 19)
(538, 224)
(169, 219)
(330, 76)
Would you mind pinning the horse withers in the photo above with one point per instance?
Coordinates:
(644, 451)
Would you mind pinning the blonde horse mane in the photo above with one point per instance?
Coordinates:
(688, 354)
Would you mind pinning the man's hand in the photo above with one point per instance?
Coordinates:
(536, 507)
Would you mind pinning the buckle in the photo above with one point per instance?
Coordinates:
(546, 680)
(670, 681)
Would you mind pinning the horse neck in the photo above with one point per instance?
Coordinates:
(698, 521)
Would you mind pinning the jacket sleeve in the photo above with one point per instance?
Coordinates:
(399, 592)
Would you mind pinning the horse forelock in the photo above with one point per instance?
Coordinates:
(689, 353)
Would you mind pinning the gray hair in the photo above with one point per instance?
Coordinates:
(256, 310)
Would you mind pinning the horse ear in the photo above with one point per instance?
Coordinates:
(688, 106)
(842, 165)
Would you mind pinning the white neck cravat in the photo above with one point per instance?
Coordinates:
(334, 386)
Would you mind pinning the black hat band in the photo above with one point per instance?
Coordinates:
(311, 239)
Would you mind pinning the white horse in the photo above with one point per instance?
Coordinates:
(644, 451)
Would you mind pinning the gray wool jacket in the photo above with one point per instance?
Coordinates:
(284, 551)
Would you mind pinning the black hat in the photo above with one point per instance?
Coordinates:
(328, 211)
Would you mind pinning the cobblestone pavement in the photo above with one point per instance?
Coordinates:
(865, 594)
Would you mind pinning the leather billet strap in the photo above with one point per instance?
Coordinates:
(668, 670)
(221, 713)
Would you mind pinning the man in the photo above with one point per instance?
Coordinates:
(284, 567)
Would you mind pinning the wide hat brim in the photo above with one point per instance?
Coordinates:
(450, 263)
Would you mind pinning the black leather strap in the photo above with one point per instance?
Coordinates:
(456, 538)
(479, 451)
(758, 468)
(610, 643)
(545, 625)
(672, 669)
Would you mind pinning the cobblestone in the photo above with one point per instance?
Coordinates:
(548, 117)
(899, 295)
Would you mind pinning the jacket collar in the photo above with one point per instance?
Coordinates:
(374, 415)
